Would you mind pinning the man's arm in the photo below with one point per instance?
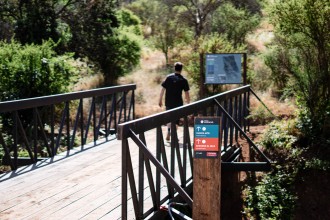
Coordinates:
(187, 96)
(161, 97)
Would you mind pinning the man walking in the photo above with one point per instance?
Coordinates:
(173, 86)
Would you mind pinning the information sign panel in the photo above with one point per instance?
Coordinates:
(206, 137)
(223, 68)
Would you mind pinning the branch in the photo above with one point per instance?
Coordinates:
(69, 3)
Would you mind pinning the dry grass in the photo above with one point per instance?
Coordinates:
(261, 36)
(89, 82)
(147, 79)
(282, 109)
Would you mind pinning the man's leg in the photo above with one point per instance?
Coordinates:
(168, 136)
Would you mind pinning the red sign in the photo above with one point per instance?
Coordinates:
(206, 137)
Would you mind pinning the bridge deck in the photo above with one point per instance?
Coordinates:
(78, 185)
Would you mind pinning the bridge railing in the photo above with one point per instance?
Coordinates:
(171, 173)
(45, 126)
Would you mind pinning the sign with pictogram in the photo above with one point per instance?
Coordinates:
(206, 137)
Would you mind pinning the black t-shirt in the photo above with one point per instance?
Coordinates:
(174, 84)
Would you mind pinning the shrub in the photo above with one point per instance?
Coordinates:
(33, 70)
(260, 115)
(279, 134)
(272, 198)
(299, 60)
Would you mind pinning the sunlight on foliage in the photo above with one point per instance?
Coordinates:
(272, 198)
(33, 70)
(279, 134)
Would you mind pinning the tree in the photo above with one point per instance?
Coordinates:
(163, 27)
(302, 53)
(88, 28)
(252, 6)
(97, 33)
(33, 21)
(147, 11)
(234, 22)
(195, 13)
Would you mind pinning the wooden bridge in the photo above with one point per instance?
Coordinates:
(126, 171)
(83, 183)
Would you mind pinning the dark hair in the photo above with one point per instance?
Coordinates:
(178, 66)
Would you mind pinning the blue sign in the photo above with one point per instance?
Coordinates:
(206, 137)
(223, 68)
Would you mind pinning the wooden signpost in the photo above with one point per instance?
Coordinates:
(207, 169)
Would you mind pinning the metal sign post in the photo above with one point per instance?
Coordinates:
(207, 169)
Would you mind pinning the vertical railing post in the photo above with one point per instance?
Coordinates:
(107, 129)
(239, 122)
(94, 120)
(68, 126)
(141, 178)
(244, 112)
(131, 110)
(159, 139)
(7, 153)
(248, 109)
(231, 125)
(82, 142)
(225, 127)
(185, 148)
(15, 139)
(173, 136)
(236, 117)
(52, 129)
(133, 100)
(124, 146)
(124, 104)
(115, 111)
(35, 135)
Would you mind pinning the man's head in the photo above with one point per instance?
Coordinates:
(178, 67)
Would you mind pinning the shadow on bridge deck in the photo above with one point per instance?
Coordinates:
(84, 183)
(81, 184)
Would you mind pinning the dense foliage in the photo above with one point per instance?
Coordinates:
(88, 28)
(97, 32)
(235, 23)
(33, 70)
(275, 195)
(272, 198)
(300, 60)
(29, 21)
(163, 28)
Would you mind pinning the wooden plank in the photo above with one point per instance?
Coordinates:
(54, 196)
(51, 172)
(25, 196)
(46, 178)
(85, 185)
(57, 158)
